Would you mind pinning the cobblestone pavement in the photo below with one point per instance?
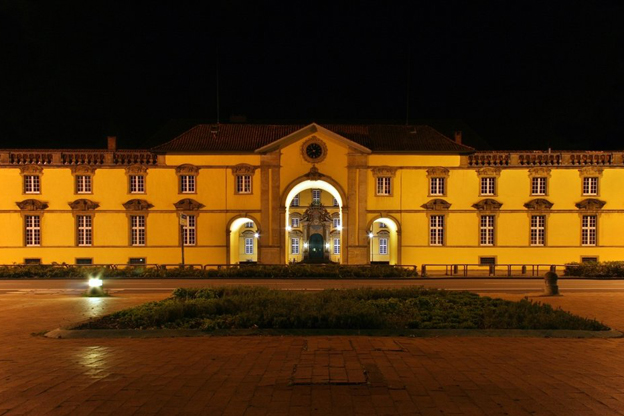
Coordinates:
(301, 375)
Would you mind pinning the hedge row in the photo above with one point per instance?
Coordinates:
(265, 272)
(607, 269)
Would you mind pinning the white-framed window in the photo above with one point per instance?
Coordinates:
(137, 184)
(383, 225)
(32, 184)
(83, 184)
(294, 246)
(33, 230)
(538, 185)
(437, 186)
(487, 230)
(590, 185)
(383, 245)
(488, 186)
(436, 230)
(295, 201)
(189, 231)
(316, 196)
(243, 184)
(383, 185)
(84, 230)
(335, 202)
(249, 245)
(588, 230)
(336, 222)
(137, 230)
(336, 246)
(187, 184)
(249, 224)
(538, 230)
(294, 222)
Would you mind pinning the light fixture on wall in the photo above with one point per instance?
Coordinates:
(370, 235)
(288, 228)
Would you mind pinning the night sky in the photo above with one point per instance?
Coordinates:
(521, 75)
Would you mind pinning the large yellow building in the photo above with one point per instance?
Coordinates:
(352, 194)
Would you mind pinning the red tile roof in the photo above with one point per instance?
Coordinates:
(245, 138)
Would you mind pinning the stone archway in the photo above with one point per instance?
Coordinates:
(242, 235)
(384, 240)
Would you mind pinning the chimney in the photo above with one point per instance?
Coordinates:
(112, 143)
(458, 137)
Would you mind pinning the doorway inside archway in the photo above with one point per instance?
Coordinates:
(383, 239)
(244, 241)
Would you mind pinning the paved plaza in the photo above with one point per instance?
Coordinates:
(301, 375)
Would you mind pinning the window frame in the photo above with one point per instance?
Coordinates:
(336, 246)
(295, 201)
(485, 183)
(32, 232)
(188, 184)
(316, 199)
(539, 186)
(537, 231)
(138, 231)
(189, 231)
(487, 230)
(437, 186)
(136, 184)
(84, 230)
(586, 189)
(32, 184)
(385, 241)
(383, 186)
(437, 230)
(589, 232)
(249, 248)
(295, 247)
(294, 220)
(81, 182)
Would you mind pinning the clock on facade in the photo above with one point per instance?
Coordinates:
(314, 150)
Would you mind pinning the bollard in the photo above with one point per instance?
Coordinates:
(524, 269)
(550, 284)
(455, 269)
(423, 270)
(492, 270)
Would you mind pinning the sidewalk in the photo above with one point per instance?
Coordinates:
(302, 375)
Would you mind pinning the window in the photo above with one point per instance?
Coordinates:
(32, 261)
(187, 184)
(83, 184)
(84, 261)
(294, 246)
(137, 224)
(249, 224)
(243, 184)
(538, 230)
(84, 230)
(436, 230)
(335, 202)
(136, 261)
(32, 184)
(189, 231)
(336, 222)
(487, 230)
(588, 230)
(294, 222)
(538, 186)
(316, 196)
(249, 245)
(437, 186)
(590, 186)
(589, 259)
(382, 225)
(137, 184)
(488, 186)
(383, 185)
(383, 245)
(295, 201)
(336, 246)
(33, 230)
(487, 261)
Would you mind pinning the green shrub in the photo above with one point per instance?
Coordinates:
(607, 269)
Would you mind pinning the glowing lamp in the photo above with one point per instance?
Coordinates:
(95, 282)
(256, 235)
(288, 228)
(370, 235)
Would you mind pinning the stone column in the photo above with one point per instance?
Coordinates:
(270, 210)
(357, 197)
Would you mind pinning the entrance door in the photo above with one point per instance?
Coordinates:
(316, 247)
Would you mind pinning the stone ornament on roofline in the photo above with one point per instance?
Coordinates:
(590, 204)
(83, 205)
(384, 171)
(488, 171)
(538, 204)
(487, 205)
(437, 172)
(32, 205)
(314, 174)
(137, 205)
(539, 172)
(436, 205)
(188, 204)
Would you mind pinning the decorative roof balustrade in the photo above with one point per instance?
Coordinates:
(30, 158)
(135, 158)
(78, 157)
(489, 159)
(94, 158)
(530, 159)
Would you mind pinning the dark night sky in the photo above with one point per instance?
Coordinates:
(521, 74)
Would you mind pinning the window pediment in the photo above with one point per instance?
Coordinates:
(487, 205)
(31, 170)
(83, 170)
(538, 204)
(438, 172)
(136, 170)
(590, 171)
(137, 205)
(590, 204)
(243, 169)
(489, 172)
(314, 174)
(384, 171)
(32, 205)
(187, 169)
(539, 172)
(83, 205)
(188, 204)
(436, 205)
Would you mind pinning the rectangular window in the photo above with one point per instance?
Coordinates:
(294, 222)
(383, 245)
(249, 224)
(189, 231)
(32, 261)
(84, 261)
(316, 196)
(588, 230)
(294, 246)
(437, 186)
(249, 245)
(590, 186)
(487, 261)
(335, 202)
(436, 230)
(135, 261)
(336, 246)
(32, 184)
(488, 186)
(187, 184)
(83, 184)
(589, 259)
(336, 222)
(538, 230)
(538, 186)
(243, 184)
(487, 230)
(295, 201)
(33, 230)
(137, 224)
(137, 184)
(84, 230)
(382, 225)
(383, 186)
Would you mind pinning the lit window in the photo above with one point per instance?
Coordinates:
(83, 184)
(588, 230)
(336, 246)
(538, 230)
(294, 246)
(243, 184)
(590, 186)
(383, 245)
(538, 186)
(84, 230)
(137, 184)
(33, 230)
(336, 222)
(436, 230)
(187, 184)
(249, 224)
(316, 196)
(335, 202)
(437, 186)
(32, 184)
(294, 222)
(249, 245)
(488, 186)
(487, 230)
(383, 186)
(295, 201)
(189, 231)
(137, 225)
